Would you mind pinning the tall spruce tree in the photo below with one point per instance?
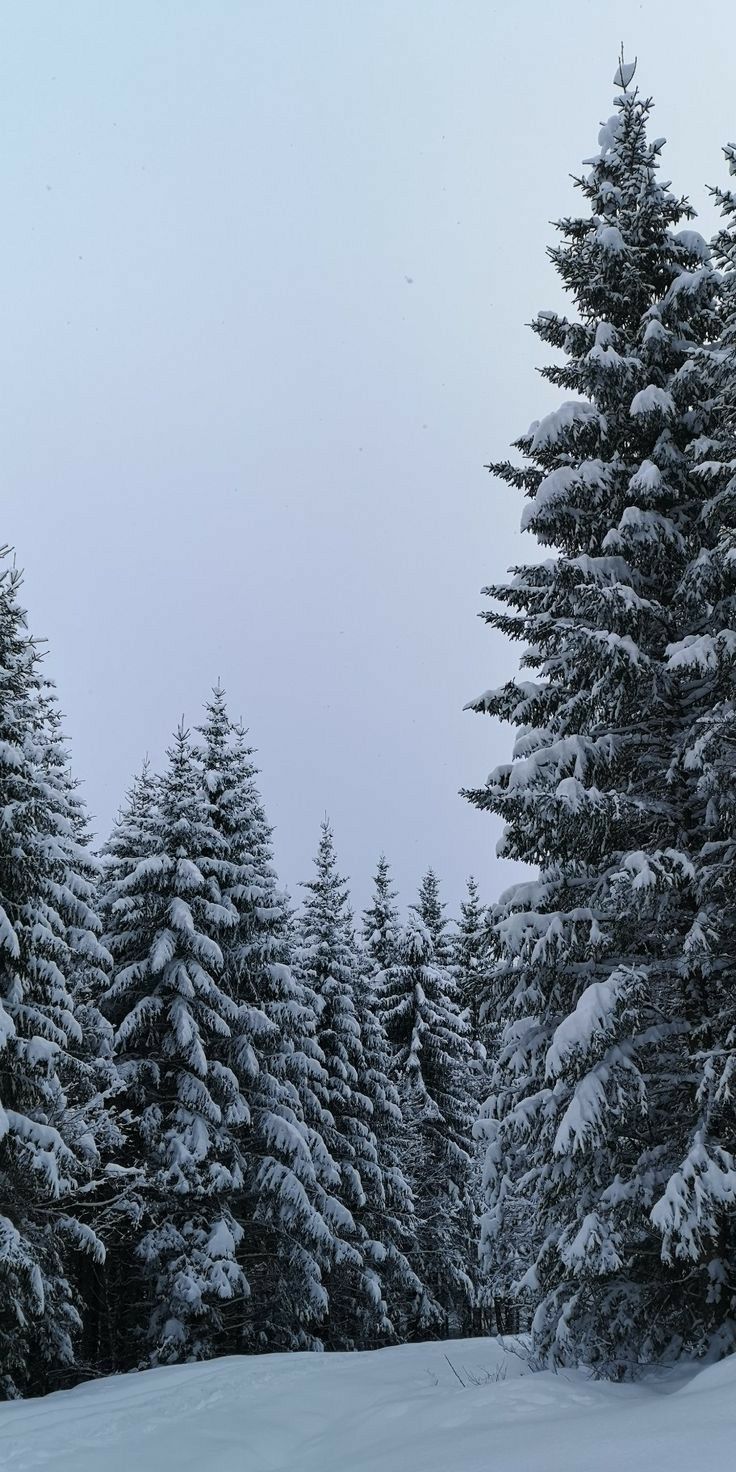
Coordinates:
(287, 1208)
(48, 1155)
(116, 1297)
(330, 965)
(91, 1075)
(596, 961)
(388, 1214)
(433, 1067)
(695, 1215)
(471, 970)
(87, 1068)
(395, 1222)
(167, 914)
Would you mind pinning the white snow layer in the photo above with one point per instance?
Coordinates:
(624, 73)
(652, 400)
(573, 414)
(392, 1410)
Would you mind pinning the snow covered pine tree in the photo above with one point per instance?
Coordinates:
(433, 1067)
(328, 962)
(116, 1308)
(396, 1228)
(286, 1208)
(369, 1268)
(469, 952)
(47, 1149)
(599, 971)
(431, 910)
(381, 921)
(696, 1213)
(166, 915)
(86, 1067)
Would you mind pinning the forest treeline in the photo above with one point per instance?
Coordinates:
(231, 1122)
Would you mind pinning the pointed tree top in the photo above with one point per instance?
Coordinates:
(416, 942)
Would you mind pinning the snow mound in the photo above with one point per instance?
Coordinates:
(461, 1406)
(624, 73)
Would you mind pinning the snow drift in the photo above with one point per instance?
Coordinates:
(392, 1410)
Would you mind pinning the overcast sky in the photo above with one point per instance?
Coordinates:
(266, 270)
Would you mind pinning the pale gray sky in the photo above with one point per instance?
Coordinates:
(266, 269)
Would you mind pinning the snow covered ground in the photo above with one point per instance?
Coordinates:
(397, 1410)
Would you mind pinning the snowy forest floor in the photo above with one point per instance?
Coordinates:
(393, 1410)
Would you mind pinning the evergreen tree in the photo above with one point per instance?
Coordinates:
(381, 921)
(471, 971)
(395, 1224)
(329, 962)
(695, 1215)
(91, 1076)
(470, 951)
(431, 910)
(87, 1069)
(287, 1209)
(433, 1063)
(388, 1214)
(48, 1155)
(115, 1305)
(135, 835)
(174, 1026)
(597, 973)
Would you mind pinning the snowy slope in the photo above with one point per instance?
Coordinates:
(396, 1410)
